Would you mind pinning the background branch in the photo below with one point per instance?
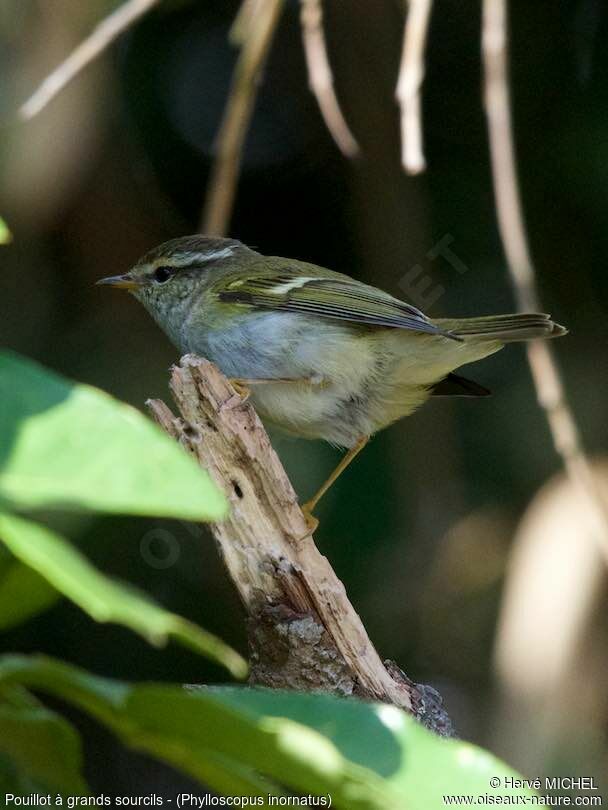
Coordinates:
(320, 77)
(411, 76)
(255, 28)
(545, 373)
(303, 631)
(103, 35)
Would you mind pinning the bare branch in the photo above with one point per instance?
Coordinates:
(303, 631)
(257, 31)
(321, 78)
(243, 21)
(104, 34)
(411, 76)
(547, 380)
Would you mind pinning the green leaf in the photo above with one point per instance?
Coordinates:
(5, 235)
(366, 756)
(420, 766)
(197, 730)
(72, 446)
(283, 751)
(40, 750)
(104, 599)
(23, 593)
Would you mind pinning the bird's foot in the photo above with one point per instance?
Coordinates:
(311, 521)
(242, 391)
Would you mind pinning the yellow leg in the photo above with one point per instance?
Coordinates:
(310, 505)
(242, 386)
(242, 389)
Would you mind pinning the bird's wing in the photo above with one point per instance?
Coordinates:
(337, 297)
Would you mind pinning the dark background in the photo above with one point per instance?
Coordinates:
(421, 528)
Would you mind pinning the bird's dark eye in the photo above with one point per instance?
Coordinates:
(162, 274)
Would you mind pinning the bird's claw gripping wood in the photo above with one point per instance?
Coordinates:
(243, 386)
(242, 390)
(312, 523)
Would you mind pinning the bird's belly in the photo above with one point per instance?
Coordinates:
(365, 385)
(328, 362)
(323, 412)
(346, 383)
(303, 409)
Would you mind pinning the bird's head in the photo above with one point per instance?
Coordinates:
(167, 277)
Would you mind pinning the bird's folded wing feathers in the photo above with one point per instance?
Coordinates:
(338, 297)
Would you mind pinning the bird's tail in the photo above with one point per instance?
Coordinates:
(504, 328)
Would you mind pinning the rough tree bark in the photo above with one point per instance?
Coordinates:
(303, 632)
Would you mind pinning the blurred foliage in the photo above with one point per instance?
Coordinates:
(239, 742)
(252, 742)
(5, 235)
(103, 599)
(71, 447)
(23, 593)
(39, 750)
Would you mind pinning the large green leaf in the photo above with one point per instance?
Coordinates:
(105, 599)
(365, 756)
(420, 766)
(72, 446)
(218, 744)
(40, 752)
(286, 752)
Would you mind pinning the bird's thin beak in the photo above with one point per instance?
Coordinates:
(126, 282)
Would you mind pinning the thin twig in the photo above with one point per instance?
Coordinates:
(103, 35)
(545, 373)
(320, 77)
(258, 33)
(411, 76)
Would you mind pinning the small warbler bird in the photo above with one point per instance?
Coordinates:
(323, 356)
